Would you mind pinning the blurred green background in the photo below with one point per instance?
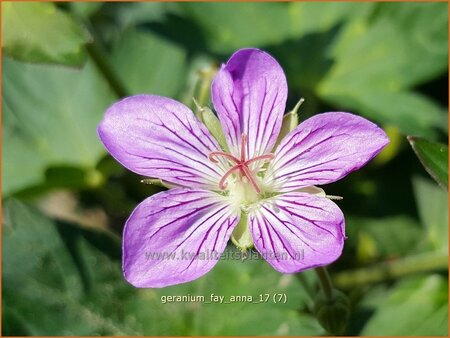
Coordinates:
(65, 200)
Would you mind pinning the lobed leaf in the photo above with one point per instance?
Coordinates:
(40, 32)
(416, 306)
(50, 116)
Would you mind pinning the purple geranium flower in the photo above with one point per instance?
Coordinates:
(256, 197)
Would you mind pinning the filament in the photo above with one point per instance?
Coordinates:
(241, 164)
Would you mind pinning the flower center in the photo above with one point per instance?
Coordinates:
(240, 165)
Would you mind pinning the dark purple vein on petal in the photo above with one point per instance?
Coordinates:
(196, 210)
(267, 223)
(257, 144)
(281, 152)
(203, 164)
(199, 225)
(208, 148)
(314, 222)
(273, 125)
(287, 227)
(218, 222)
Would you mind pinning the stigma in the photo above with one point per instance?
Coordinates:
(240, 166)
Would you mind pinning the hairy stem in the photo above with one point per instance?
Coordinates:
(325, 281)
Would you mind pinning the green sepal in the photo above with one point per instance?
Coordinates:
(211, 122)
(241, 236)
(290, 122)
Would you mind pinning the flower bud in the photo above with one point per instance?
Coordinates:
(333, 312)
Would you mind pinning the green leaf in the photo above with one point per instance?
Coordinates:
(432, 204)
(39, 32)
(395, 46)
(423, 27)
(410, 112)
(310, 17)
(434, 157)
(230, 277)
(228, 27)
(135, 13)
(50, 115)
(149, 64)
(379, 57)
(66, 286)
(46, 281)
(414, 307)
(385, 238)
(85, 9)
(63, 176)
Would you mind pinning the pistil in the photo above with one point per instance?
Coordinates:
(241, 164)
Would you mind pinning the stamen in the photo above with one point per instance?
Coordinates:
(267, 157)
(241, 164)
(243, 144)
(223, 181)
(214, 154)
(250, 177)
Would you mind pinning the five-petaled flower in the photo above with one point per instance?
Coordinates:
(257, 195)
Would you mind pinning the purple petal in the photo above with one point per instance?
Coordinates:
(249, 94)
(159, 137)
(297, 231)
(176, 236)
(323, 149)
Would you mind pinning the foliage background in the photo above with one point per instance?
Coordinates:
(65, 201)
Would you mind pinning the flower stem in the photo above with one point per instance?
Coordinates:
(394, 269)
(325, 281)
